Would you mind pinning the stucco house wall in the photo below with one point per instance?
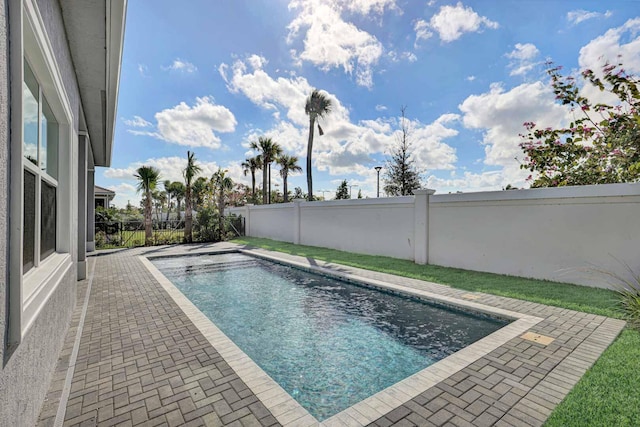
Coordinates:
(28, 356)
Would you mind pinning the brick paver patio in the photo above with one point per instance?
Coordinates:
(133, 357)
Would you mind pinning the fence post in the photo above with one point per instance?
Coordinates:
(421, 226)
(296, 220)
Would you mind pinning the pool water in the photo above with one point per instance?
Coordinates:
(328, 343)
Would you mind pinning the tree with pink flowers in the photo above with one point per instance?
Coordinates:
(602, 143)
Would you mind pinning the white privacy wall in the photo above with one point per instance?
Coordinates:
(569, 234)
(369, 226)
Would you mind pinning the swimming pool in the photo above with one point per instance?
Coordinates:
(328, 343)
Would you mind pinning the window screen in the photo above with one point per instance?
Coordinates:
(29, 224)
(48, 223)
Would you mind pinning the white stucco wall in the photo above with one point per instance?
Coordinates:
(370, 226)
(564, 234)
(569, 234)
(272, 221)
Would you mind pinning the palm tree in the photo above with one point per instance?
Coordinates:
(199, 191)
(251, 165)
(167, 189)
(177, 191)
(189, 173)
(222, 184)
(287, 164)
(317, 106)
(147, 180)
(269, 151)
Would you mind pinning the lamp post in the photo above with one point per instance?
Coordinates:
(378, 168)
(352, 185)
(324, 191)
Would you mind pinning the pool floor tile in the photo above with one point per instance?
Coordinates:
(144, 359)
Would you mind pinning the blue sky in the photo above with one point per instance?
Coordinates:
(212, 76)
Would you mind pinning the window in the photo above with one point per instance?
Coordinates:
(40, 163)
(42, 175)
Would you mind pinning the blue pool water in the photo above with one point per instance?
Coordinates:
(328, 343)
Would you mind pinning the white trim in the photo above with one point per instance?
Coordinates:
(30, 292)
(38, 285)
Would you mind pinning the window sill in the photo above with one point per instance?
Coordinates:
(38, 285)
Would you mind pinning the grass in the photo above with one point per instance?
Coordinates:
(607, 395)
(591, 300)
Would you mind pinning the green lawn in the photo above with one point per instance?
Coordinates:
(609, 393)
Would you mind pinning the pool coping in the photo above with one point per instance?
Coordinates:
(286, 409)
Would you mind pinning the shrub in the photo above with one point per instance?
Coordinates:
(630, 300)
(206, 225)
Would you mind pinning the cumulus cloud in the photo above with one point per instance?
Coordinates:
(468, 182)
(192, 126)
(451, 22)
(331, 42)
(421, 27)
(522, 58)
(380, 107)
(577, 16)
(499, 114)
(179, 65)
(345, 146)
(137, 122)
(610, 47)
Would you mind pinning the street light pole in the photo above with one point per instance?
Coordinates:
(377, 168)
(352, 185)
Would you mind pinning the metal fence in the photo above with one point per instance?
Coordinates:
(129, 234)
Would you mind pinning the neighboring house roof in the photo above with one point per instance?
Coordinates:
(95, 30)
(103, 192)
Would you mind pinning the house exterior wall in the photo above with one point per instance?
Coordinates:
(4, 167)
(27, 368)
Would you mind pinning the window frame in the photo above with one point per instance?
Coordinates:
(29, 291)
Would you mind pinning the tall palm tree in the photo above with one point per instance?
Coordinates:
(221, 184)
(252, 164)
(199, 191)
(177, 191)
(287, 164)
(167, 189)
(147, 181)
(269, 151)
(189, 173)
(317, 106)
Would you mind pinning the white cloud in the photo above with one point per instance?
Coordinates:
(193, 126)
(421, 27)
(451, 22)
(500, 114)
(406, 55)
(469, 182)
(143, 69)
(380, 107)
(577, 16)
(345, 146)
(522, 58)
(137, 122)
(331, 42)
(610, 48)
(470, 78)
(179, 65)
(367, 7)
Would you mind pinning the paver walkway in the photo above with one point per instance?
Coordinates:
(141, 361)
